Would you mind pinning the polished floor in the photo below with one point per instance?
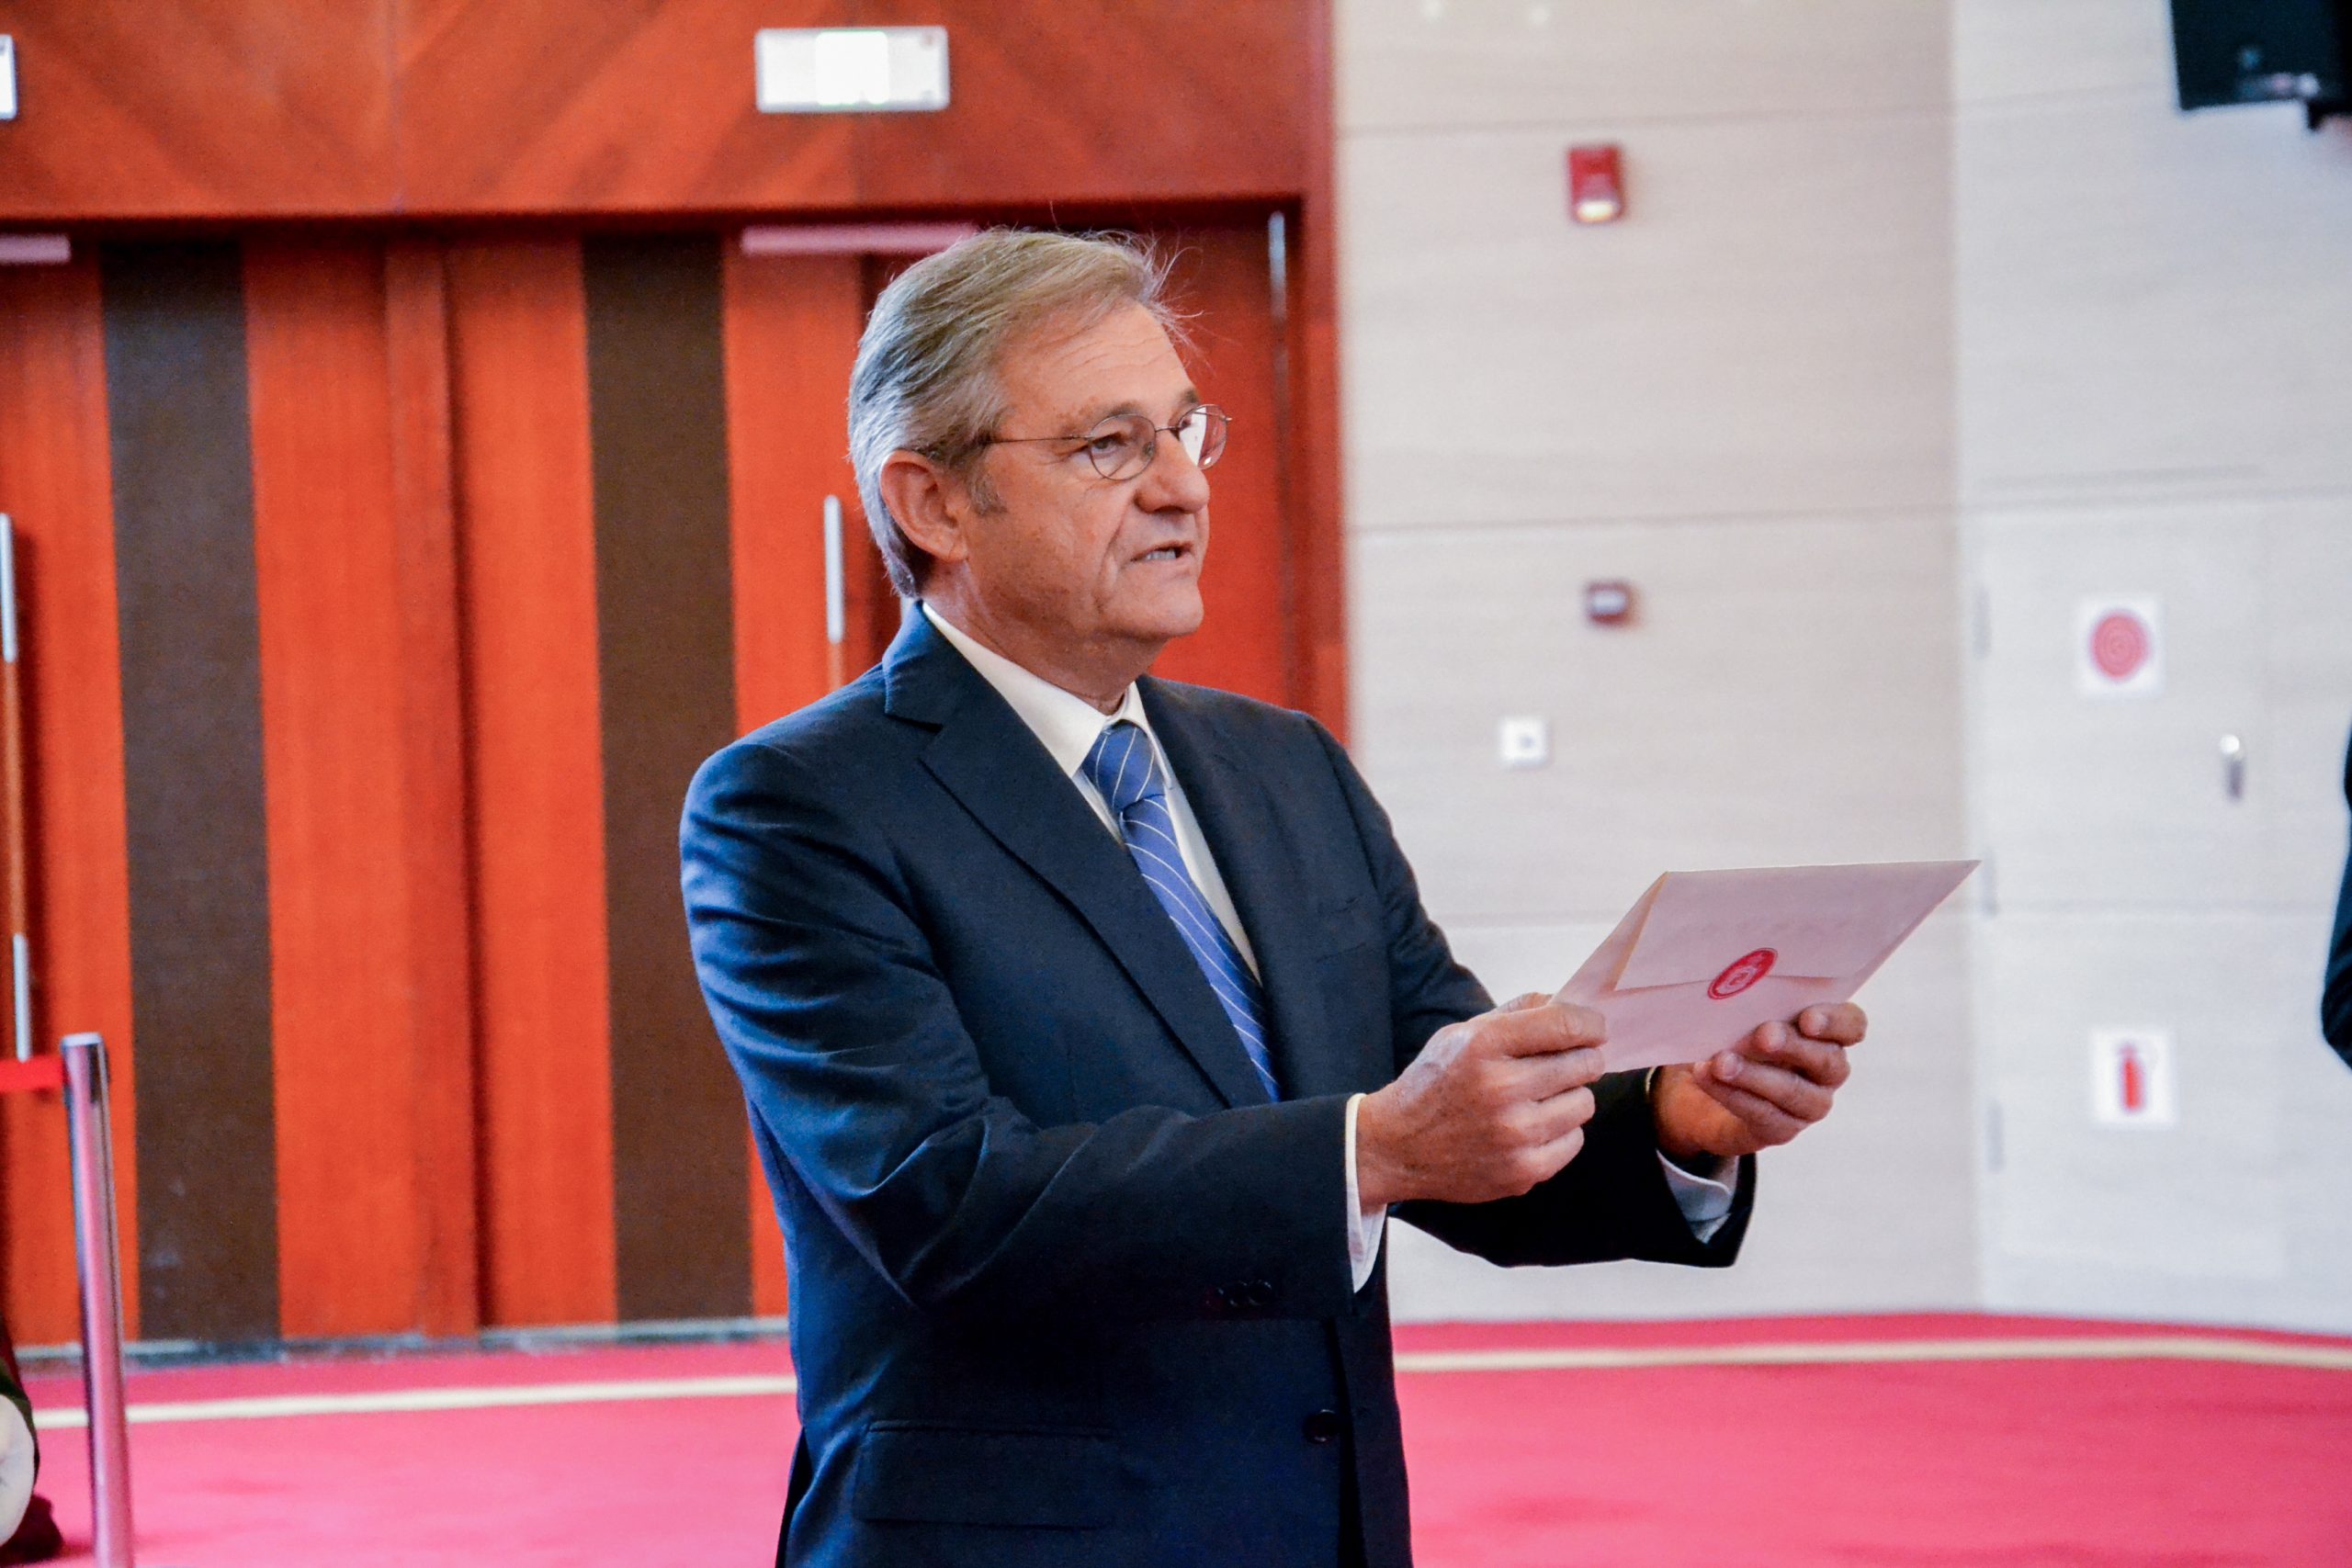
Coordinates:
(1916, 1442)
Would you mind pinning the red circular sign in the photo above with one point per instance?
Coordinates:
(2119, 645)
(1743, 973)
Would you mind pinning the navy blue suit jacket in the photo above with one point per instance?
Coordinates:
(1066, 1288)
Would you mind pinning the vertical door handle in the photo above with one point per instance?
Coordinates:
(2233, 767)
(836, 598)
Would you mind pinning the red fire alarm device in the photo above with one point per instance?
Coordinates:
(1595, 184)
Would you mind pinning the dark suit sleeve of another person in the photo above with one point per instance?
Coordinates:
(857, 1064)
(2335, 1000)
(1612, 1201)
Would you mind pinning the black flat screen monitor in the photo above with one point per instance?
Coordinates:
(2258, 51)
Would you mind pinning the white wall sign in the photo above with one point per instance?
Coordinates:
(834, 70)
(2119, 647)
(2131, 1079)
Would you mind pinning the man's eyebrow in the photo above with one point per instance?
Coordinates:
(1080, 422)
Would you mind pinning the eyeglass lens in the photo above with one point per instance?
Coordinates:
(1122, 447)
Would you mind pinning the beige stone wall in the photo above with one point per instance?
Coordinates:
(1928, 320)
(1742, 400)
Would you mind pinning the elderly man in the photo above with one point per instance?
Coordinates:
(1090, 1024)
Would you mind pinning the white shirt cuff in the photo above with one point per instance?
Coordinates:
(1705, 1203)
(16, 1467)
(1365, 1227)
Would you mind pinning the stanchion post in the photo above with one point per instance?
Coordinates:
(91, 1143)
(836, 598)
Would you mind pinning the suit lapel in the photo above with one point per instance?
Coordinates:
(990, 762)
(1262, 870)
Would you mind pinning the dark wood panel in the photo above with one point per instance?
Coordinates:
(201, 108)
(333, 668)
(54, 482)
(665, 623)
(1097, 101)
(193, 799)
(792, 325)
(526, 544)
(623, 106)
(438, 928)
(1221, 279)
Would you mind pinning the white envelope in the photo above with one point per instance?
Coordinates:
(1704, 956)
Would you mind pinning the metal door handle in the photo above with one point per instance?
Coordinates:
(2233, 767)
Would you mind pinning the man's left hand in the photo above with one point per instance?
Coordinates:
(1765, 1090)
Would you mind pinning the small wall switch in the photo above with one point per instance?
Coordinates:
(7, 77)
(1523, 740)
(1610, 602)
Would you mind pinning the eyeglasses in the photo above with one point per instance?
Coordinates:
(1124, 445)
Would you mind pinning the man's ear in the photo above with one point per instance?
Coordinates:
(931, 505)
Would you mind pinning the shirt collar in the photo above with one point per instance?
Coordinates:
(1063, 722)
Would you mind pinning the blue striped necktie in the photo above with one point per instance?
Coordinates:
(1125, 768)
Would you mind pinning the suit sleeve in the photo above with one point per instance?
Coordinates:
(1612, 1201)
(2335, 998)
(856, 1064)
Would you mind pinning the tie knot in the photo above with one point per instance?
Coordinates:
(1122, 768)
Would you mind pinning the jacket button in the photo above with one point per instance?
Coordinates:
(1323, 1427)
(1258, 1293)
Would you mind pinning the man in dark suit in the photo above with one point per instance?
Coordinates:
(1092, 1025)
(2335, 998)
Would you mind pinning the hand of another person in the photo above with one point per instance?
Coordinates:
(1765, 1090)
(1491, 1106)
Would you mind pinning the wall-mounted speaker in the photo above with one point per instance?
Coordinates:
(2260, 51)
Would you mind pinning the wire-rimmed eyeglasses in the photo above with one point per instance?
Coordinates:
(1124, 444)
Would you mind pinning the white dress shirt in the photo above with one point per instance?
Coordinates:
(1067, 725)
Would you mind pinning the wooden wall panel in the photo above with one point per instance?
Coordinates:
(1318, 552)
(623, 106)
(54, 482)
(438, 929)
(238, 108)
(1097, 100)
(188, 623)
(1319, 556)
(200, 109)
(526, 542)
(792, 324)
(1221, 278)
(351, 1050)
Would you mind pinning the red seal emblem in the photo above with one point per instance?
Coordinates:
(1743, 973)
(2119, 645)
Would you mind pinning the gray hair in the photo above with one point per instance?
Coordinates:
(925, 379)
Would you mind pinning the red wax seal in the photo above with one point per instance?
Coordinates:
(2119, 645)
(1743, 973)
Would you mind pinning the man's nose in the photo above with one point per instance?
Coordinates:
(1173, 482)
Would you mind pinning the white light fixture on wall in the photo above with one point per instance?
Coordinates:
(850, 69)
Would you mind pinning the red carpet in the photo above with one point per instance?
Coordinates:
(1922, 1463)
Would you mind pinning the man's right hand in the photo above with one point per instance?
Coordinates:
(1492, 1106)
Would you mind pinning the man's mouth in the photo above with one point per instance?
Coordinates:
(1166, 552)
